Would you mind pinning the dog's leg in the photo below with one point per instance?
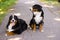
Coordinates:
(10, 33)
(41, 27)
(34, 27)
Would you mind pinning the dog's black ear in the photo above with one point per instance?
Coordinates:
(7, 25)
(15, 16)
(10, 17)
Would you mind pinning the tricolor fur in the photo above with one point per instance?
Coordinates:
(38, 16)
(16, 25)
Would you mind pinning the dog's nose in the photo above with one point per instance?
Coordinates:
(12, 20)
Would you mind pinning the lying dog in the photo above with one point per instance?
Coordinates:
(37, 19)
(15, 25)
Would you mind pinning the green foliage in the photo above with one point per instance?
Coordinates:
(2, 17)
(2, 0)
(51, 2)
(4, 6)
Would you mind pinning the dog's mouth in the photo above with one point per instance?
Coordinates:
(13, 22)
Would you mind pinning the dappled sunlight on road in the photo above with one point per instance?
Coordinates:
(17, 14)
(57, 19)
(48, 6)
(51, 36)
(58, 11)
(17, 38)
(29, 2)
(12, 9)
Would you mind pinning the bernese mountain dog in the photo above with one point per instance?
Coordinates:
(38, 17)
(15, 25)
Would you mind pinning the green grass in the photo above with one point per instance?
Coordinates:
(4, 6)
(51, 2)
(2, 17)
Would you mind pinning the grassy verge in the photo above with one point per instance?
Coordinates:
(2, 17)
(51, 2)
(4, 6)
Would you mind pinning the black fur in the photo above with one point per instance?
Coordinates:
(19, 27)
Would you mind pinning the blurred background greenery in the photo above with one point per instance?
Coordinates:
(51, 2)
(4, 6)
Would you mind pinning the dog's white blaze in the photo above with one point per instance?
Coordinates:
(37, 17)
(13, 18)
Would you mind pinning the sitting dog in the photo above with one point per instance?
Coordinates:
(15, 25)
(37, 19)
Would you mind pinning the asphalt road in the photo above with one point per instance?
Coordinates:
(22, 10)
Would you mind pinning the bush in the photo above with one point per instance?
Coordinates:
(49, 0)
(4, 6)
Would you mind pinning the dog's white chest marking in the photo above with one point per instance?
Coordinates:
(37, 17)
(10, 27)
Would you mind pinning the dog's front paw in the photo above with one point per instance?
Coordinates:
(34, 31)
(9, 33)
(10, 30)
(41, 30)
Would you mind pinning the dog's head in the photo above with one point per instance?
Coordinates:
(36, 8)
(13, 19)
